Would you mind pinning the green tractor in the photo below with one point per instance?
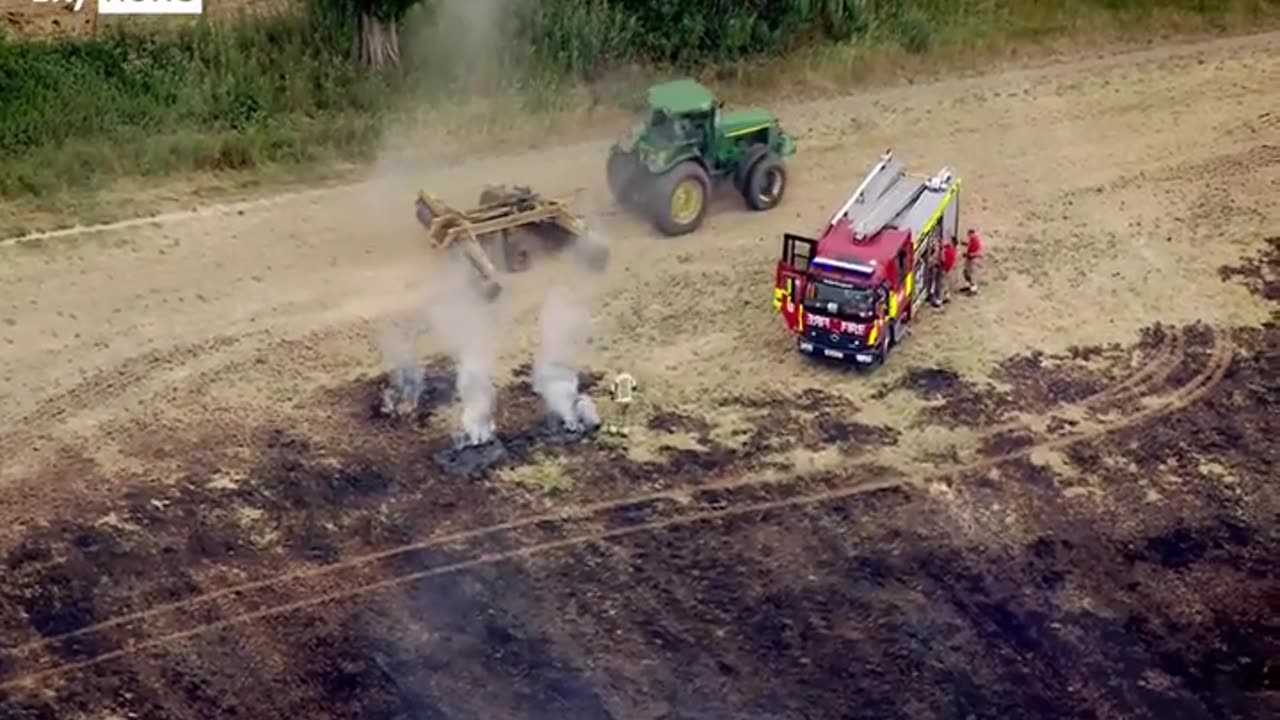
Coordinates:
(666, 167)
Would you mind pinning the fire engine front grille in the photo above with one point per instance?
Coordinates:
(833, 340)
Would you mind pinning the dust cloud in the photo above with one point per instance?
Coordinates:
(455, 37)
(473, 30)
(464, 39)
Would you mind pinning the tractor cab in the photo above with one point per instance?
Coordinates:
(679, 114)
(850, 293)
(666, 130)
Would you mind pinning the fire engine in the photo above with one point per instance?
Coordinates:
(850, 293)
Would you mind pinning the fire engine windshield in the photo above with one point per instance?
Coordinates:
(843, 300)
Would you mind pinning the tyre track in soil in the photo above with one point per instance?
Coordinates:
(150, 374)
(1215, 368)
(1161, 364)
(116, 381)
(1158, 367)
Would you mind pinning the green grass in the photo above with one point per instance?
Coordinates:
(197, 99)
(283, 92)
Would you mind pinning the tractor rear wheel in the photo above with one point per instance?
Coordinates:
(621, 172)
(678, 200)
(766, 183)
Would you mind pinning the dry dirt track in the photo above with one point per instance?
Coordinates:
(154, 367)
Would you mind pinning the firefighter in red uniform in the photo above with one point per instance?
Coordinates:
(946, 263)
(972, 261)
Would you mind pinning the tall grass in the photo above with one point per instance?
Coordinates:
(281, 89)
(582, 38)
(285, 90)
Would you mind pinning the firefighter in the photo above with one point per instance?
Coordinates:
(945, 265)
(933, 274)
(623, 389)
(972, 261)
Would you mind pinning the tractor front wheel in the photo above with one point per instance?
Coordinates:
(766, 183)
(621, 172)
(749, 158)
(678, 202)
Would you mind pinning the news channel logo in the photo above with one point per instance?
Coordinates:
(136, 7)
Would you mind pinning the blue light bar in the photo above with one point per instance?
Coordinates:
(842, 265)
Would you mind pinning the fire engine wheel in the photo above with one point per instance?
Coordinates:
(766, 183)
(883, 355)
(679, 200)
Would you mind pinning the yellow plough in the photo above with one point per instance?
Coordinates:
(511, 226)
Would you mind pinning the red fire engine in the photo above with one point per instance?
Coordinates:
(850, 293)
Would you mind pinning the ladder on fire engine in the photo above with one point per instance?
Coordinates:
(884, 194)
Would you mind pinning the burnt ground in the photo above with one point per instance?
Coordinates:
(1261, 274)
(1033, 383)
(1155, 600)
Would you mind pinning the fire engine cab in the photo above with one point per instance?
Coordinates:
(850, 293)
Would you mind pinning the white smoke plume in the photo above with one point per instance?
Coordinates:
(398, 343)
(476, 390)
(467, 328)
(587, 413)
(565, 329)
